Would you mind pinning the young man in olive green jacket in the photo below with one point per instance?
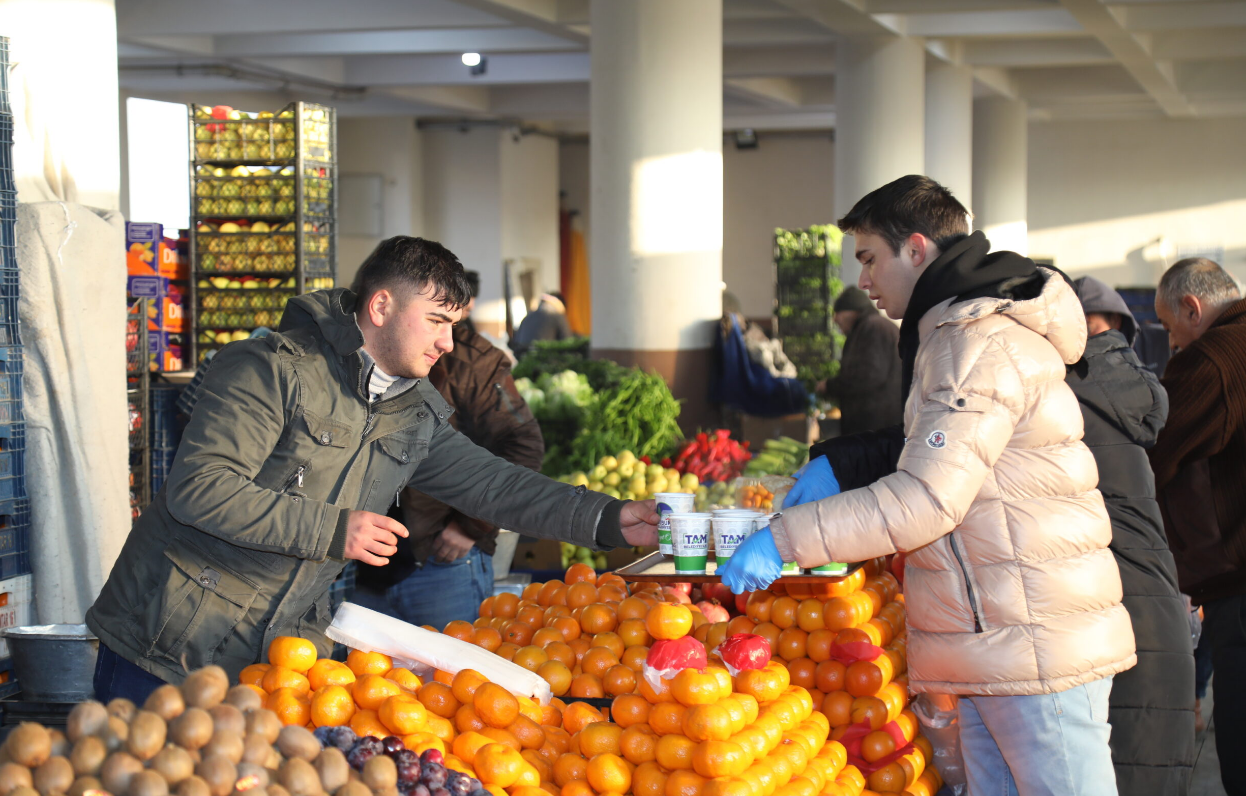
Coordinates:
(298, 444)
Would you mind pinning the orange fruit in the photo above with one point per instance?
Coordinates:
(518, 633)
(578, 787)
(735, 712)
(629, 709)
(506, 650)
(460, 629)
(332, 706)
(609, 773)
(579, 715)
(839, 613)
(599, 737)
(438, 698)
(587, 686)
(610, 641)
(792, 643)
(546, 594)
(544, 636)
(280, 677)
(529, 733)
(254, 674)
(291, 706)
(719, 759)
(638, 744)
(662, 693)
(443, 676)
(632, 608)
(295, 654)
(740, 624)
(327, 672)
(829, 676)
(634, 658)
(466, 720)
(366, 722)
(464, 684)
(667, 621)
(802, 672)
(619, 679)
(498, 764)
(486, 607)
(570, 768)
(373, 689)
(728, 786)
(877, 745)
(502, 736)
(667, 718)
(403, 714)
(598, 660)
(362, 663)
(674, 752)
(405, 678)
(871, 709)
(888, 779)
(783, 612)
(532, 615)
(759, 606)
(467, 744)
(581, 594)
(867, 678)
(818, 645)
(770, 632)
(580, 573)
(561, 651)
(530, 657)
(505, 605)
(496, 706)
(837, 707)
(424, 740)
(684, 783)
(568, 626)
(598, 618)
(557, 675)
(707, 723)
(692, 687)
(649, 779)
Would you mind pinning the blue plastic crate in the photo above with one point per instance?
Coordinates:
(8, 678)
(14, 564)
(161, 464)
(342, 589)
(10, 290)
(14, 540)
(11, 377)
(166, 425)
(4, 74)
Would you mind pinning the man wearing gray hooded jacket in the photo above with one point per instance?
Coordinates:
(1124, 407)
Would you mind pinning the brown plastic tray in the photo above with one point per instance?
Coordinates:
(657, 568)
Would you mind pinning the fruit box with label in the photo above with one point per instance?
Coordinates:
(167, 310)
(165, 351)
(149, 253)
(15, 606)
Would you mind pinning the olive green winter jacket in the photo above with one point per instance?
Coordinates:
(243, 541)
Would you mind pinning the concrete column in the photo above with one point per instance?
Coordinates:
(657, 190)
(879, 119)
(999, 172)
(949, 128)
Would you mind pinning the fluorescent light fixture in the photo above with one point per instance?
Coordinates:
(471, 59)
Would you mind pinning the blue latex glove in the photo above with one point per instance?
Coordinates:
(754, 565)
(815, 481)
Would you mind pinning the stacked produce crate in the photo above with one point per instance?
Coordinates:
(138, 375)
(264, 216)
(165, 430)
(807, 282)
(15, 578)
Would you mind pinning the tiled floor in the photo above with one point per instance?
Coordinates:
(1206, 780)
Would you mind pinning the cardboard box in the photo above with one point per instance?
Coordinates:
(167, 311)
(16, 606)
(149, 253)
(165, 351)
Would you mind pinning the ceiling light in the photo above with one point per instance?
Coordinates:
(471, 59)
(746, 139)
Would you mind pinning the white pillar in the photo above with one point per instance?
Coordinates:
(949, 128)
(879, 120)
(656, 186)
(999, 172)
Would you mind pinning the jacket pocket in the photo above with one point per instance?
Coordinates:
(199, 608)
(326, 432)
(970, 594)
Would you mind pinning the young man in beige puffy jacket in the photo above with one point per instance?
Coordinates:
(1013, 597)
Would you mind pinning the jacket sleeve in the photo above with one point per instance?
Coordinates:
(240, 414)
(1199, 427)
(861, 459)
(961, 428)
(866, 370)
(481, 485)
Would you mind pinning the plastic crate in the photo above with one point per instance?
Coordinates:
(16, 604)
(343, 588)
(4, 74)
(166, 427)
(1141, 302)
(161, 464)
(10, 326)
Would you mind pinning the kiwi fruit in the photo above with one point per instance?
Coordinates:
(276, 790)
(166, 702)
(147, 735)
(148, 783)
(87, 756)
(354, 788)
(255, 749)
(87, 718)
(192, 730)
(333, 769)
(260, 773)
(380, 773)
(299, 777)
(206, 688)
(55, 775)
(13, 776)
(228, 717)
(390, 791)
(173, 763)
(225, 743)
(118, 770)
(24, 791)
(219, 773)
(115, 734)
(296, 741)
(193, 785)
(60, 744)
(244, 698)
(265, 724)
(83, 784)
(122, 708)
(29, 744)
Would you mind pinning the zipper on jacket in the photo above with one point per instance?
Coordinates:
(964, 571)
(296, 478)
(507, 402)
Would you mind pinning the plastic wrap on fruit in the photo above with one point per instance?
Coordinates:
(744, 651)
(668, 657)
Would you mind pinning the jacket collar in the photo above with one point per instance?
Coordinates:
(1234, 313)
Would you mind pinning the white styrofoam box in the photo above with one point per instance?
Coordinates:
(16, 605)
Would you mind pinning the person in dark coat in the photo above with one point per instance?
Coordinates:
(547, 322)
(867, 389)
(1124, 407)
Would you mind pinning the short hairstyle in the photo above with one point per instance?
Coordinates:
(473, 282)
(407, 266)
(1199, 277)
(910, 204)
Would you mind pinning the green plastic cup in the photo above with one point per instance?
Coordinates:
(690, 537)
(832, 570)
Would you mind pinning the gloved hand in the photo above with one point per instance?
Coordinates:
(815, 481)
(754, 565)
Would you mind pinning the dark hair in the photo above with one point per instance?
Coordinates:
(473, 282)
(407, 266)
(910, 204)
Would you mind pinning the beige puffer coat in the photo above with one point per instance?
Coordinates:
(1009, 583)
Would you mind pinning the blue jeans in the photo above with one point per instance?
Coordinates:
(1040, 745)
(436, 593)
(117, 677)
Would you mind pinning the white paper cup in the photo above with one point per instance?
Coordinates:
(690, 535)
(729, 532)
(669, 503)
